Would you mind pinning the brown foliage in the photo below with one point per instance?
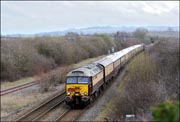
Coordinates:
(22, 57)
(151, 78)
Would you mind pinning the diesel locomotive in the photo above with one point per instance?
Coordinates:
(86, 82)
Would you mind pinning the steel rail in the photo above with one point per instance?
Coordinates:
(61, 116)
(36, 112)
(20, 87)
(48, 110)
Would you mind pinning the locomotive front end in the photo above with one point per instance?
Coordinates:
(77, 87)
(77, 90)
(79, 84)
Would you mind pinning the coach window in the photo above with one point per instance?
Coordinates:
(83, 80)
(72, 80)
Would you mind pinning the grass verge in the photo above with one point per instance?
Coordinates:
(8, 84)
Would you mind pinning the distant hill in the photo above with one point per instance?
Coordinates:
(97, 30)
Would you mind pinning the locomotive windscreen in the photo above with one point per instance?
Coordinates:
(80, 80)
(71, 80)
(83, 80)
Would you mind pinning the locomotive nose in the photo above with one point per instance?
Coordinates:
(71, 90)
(77, 89)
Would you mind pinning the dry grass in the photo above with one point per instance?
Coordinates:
(8, 84)
(12, 104)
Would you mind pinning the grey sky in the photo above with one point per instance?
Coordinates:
(45, 16)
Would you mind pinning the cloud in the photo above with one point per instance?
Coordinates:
(159, 8)
(38, 16)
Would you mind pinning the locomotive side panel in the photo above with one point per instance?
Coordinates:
(123, 59)
(97, 81)
(116, 67)
(128, 56)
(117, 64)
(109, 71)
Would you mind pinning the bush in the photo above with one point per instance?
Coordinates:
(141, 85)
(152, 77)
(167, 111)
(166, 54)
(140, 33)
(22, 57)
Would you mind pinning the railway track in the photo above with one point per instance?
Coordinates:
(41, 112)
(43, 109)
(19, 87)
(71, 115)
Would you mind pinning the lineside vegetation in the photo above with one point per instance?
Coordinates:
(151, 78)
(24, 57)
(28, 56)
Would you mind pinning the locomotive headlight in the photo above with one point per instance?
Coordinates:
(85, 93)
(68, 93)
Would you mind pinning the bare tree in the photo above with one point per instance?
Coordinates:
(140, 33)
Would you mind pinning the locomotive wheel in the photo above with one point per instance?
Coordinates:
(89, 102)
(96, 94)
(106, 83)
(92, 98)
(99, 91)
(102, 87)
(72, 106)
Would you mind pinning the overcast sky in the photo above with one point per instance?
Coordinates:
(44, 16)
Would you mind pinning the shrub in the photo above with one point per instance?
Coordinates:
(141, 85)
(22, 57)
(151, 78)
(140, 33)
(167, 111)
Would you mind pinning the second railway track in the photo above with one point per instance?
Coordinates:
(43, 108)
(19, 87)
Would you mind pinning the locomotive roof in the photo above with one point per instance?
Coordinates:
(87, 70)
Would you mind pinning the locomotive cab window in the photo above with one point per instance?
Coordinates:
(71, 80)
(83, 80)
